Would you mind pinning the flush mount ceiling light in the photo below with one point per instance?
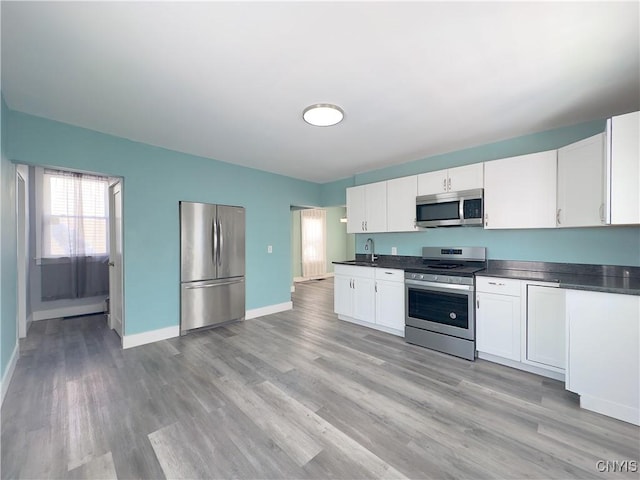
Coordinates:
(323, 114)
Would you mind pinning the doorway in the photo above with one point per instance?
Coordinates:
(63, 255)
(338, 243)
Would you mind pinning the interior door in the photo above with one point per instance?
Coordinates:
(115, 258)
(231, 239)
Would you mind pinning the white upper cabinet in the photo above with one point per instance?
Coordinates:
(401, 204)
(623, 169)
(467, 177)
(581, 183)
(452, 180)
(520, 192)
(367, 208)
(432, 182)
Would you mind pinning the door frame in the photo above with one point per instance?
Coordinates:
(22, 252)
(113, 181)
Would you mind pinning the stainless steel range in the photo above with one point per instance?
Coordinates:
(440, 298)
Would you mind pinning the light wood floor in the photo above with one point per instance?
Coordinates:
(293, 395)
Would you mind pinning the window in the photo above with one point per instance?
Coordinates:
(74, 215)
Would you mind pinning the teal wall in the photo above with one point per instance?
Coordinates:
(155, 180)
(8, 251)
(334, 193)
(337, 237)
(601, 245)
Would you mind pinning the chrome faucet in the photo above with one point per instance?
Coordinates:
(371, 249)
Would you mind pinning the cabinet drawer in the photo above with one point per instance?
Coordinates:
(390, 274)
(353, 271)
(502, 286)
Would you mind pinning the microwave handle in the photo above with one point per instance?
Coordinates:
(461, 209)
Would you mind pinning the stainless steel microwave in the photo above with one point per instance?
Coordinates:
(450, 209)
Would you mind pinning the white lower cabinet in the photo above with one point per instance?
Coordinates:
(498, 317)
(603, 352)
(521, 324)
(354, 292)
(390, 300)
(546, 326)
(369, 296)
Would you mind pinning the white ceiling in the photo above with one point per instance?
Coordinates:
(230, 80)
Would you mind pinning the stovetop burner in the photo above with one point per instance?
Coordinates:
(455, 261)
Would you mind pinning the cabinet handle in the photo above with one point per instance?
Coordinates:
(444, 184)
(486, 219)
(354, 283)
(449, 184)
(477, 303)
(558, 216)
(602, 213)
(363, 225)
(376, 287)
(366, 225)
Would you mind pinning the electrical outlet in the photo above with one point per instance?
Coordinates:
(269, 249)
(394, 250)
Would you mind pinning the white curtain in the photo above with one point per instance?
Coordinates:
(73, 243)
(314, 250)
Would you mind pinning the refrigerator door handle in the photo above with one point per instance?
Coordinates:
(220, 242)
(207, 285)
(214, 234)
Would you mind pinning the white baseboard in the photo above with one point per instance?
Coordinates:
(8, 374)
(68, 311)
(268, 310)
(375, 326)
(507, 362)
(137, 339)
(611, 409)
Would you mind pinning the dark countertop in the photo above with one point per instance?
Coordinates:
(598, 278)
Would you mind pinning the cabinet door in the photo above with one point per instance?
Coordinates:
(343, 295)
(498, 325)
(390, 304)
(580, 183)
(376, 207)
(625, 168)
(546, 325)
(356, 209)
(432, 182)
(467, 177)
(401, 204)
(364, 301)
(520, 192)
(603, 352)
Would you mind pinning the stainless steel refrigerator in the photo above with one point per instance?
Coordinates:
(212, 287)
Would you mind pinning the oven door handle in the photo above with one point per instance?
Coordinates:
(439, 287)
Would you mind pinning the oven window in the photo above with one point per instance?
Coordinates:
(438, 211)
(445, 308)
